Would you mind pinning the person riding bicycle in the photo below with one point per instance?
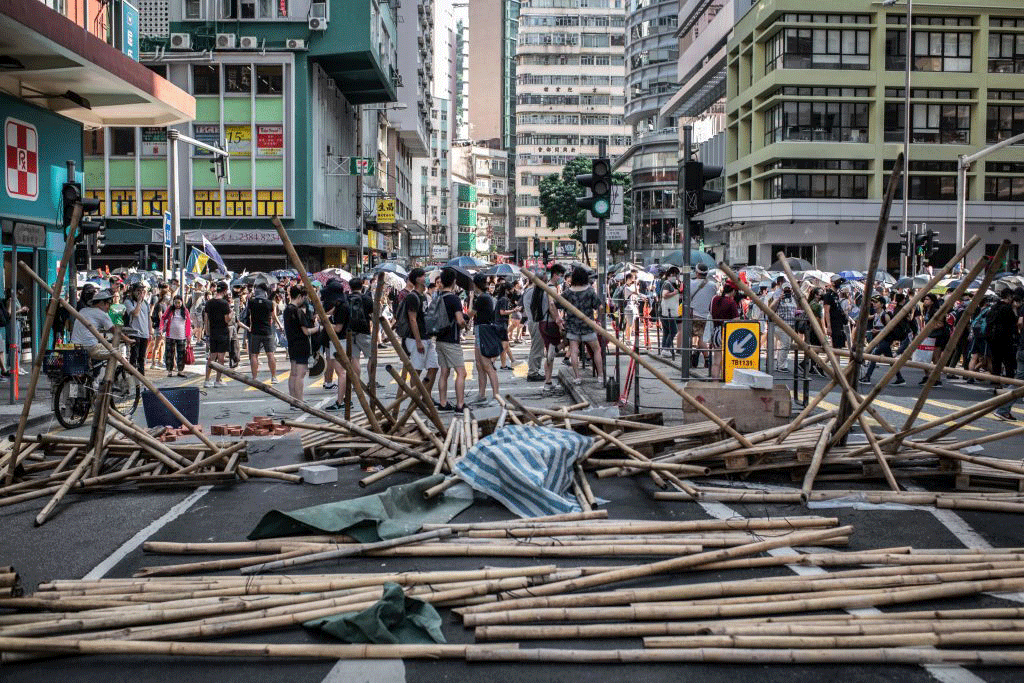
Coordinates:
(98, 314)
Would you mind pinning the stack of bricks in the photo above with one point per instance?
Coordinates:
(173, 433)
(260, 426)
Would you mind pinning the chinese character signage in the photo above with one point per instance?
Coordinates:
(239, 140)
(269, 141)
(154, 142)
(130, 30)
(208, 133)
(385, 211)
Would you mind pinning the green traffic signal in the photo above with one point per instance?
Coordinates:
(599, 182)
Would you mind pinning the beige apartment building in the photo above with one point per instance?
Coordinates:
(570, 94)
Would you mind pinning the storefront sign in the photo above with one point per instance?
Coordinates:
(239, 140)
(154, 142)
(208, 133)
(269, 141)
(21, 143)
(439, 251)
(386, 211)
(168, 239)
(741, 343)
(30, 235)
(130, 30)
(371, 238)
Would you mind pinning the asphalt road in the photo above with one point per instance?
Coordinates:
(101, 535)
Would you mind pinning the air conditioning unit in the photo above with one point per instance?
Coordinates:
(226, 41)
(181, 41)
(295, 44)
(317, 24)
(248, 43)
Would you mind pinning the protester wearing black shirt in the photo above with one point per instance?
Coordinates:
(298, 329)
(1006, 411)
(483, 322)
(216, 317)
(835, 317)
(259, 317)
(449, 352)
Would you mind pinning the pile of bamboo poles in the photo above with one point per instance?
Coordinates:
(10, 583)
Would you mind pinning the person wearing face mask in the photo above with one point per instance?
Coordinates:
(785, 306)
(669, 311)
(880, 317)
(176, 325)
(551, 326)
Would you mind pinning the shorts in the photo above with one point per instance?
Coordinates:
(585, 337)
(502, 332)
(259, 342)
(220, 344)
(422, 361)
(299, 353)
(450, 355)
(360, 345)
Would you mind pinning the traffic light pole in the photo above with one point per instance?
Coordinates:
(683, 219)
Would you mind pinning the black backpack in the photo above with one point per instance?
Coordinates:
(358, 320)
(402, 328)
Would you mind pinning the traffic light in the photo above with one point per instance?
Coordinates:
(696, 197)
(544, 256)
(71, 194)
(599, 182)
(218, 167)
(95, 226)
(931, 243)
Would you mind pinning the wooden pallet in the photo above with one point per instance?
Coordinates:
(973, 477)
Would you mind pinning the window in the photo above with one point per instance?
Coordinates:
(940, 187)
(933, 50)
(193, 9)
(1006, 53)
(269, 79)
(817, 121)
(237, 203)
(821, 164)
(270, 202)
(122, 202)
(206, 203)
(238, 78)
(154, 202)
(97, 194)
(1004, 189)
(813, 185)
(94, 142)
(818, 48)
(932, 123)
(1004, 121)
(122, 142)
(205, 79)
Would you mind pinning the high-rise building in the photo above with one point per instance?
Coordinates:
(652, 51)
(815, 119)
(485, 168)
(570, 94)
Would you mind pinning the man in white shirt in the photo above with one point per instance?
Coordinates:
(702, 292)
(98, 315)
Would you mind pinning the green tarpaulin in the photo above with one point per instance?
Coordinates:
(398, 511)
(393, 619)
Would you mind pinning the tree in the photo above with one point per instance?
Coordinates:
(558, 193)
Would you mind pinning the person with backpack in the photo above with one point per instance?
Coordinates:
(551, 326)
(158, 304)
(411, 326)
(939, 335)
(669, 308)
(702, 293)
(359, 312)
(979, 337)
(486, 340)
(1006, 411)
(1002, 336)
(533, 298)
(581, 295)
(258, 318)
(298, 327)
(876, 323)
(445, 318)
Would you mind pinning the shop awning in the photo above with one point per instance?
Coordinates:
(53, 62)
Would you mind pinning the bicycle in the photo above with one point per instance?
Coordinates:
(74, 378)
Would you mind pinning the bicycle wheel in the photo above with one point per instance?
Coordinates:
(124, 392)
(72, 401)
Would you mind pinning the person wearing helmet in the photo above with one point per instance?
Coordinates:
(98, 315)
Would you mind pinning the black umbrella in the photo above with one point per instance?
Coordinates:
(794, 264)
(463, 278)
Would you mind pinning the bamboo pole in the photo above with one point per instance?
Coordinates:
(851, 396)
(417, 397)
(416, 382)
(339, 351)
(37, 360)
(520, 523)
(371, 363)
(327, 417)
(101, 405)
(437, 490)
(694, 403)
(115, 354)
(816, 458)
(75, 475)
(994, 266)
(442, 455)
(628, 450)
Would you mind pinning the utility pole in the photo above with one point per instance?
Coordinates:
(359, 188)
(683, 219)
(602, 242)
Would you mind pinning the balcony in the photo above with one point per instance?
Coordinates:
(352, 53)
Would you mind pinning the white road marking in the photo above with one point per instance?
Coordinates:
(247, 400)
(366, 671)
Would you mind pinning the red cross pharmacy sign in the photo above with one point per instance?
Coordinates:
(22, 159)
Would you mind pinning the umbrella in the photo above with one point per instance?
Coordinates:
(393, 280)
(915, 282)
(285, 272)
(794, 264)
(328, 273)
(99, 282)
(257, 278)
(502, 270)
(463, 278)
(852, 274)
(753, 273)
(467, 262)
(884, 278)
(391, 267)
(819, 275)
(619, 266)
(696, 256)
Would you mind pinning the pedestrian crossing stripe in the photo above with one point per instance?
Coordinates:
(898, 409)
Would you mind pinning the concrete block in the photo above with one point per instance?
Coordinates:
(752, 409)
(753, 378)
(318, 474)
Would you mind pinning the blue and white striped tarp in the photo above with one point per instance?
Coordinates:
(526, 468)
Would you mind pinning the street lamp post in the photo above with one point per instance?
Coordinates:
(906, 121)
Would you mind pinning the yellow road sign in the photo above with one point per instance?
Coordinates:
(741, 347)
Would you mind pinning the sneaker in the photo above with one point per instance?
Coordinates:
(170, 374)
(899, 381)
(535, 377)
(446, 408)
(548, 389)
(938, 383)
(181, 374)
(22, 371)
(208, 384)
(577, 381)
(923, 380)
(330, 385)
(218, 383)
(334, 407)
(865, 380)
